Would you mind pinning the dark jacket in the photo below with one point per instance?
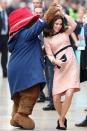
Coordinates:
(83, 70)
(2, 26)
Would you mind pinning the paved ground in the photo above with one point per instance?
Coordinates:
(45, 120)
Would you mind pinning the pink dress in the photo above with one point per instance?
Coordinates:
(68, 75)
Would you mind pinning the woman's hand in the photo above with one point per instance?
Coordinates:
(50, 13)
(60, 10)
(58, 63)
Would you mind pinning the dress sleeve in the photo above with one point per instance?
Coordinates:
(48, 49)
(35, 29)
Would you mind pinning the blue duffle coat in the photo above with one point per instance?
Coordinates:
(25, 67)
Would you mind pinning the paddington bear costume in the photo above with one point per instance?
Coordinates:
(25, 67)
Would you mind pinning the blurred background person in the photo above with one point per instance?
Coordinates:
(84, 65)
(3, 36)
(73, 10)
(39, 11)
(13, 5)
(35, 4)
(48, 71)
(49, 77)
(83, 123)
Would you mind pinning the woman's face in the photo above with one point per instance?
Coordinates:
(57, 25)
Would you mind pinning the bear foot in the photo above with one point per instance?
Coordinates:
(21, 120)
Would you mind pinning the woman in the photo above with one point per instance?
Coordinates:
(66, 72)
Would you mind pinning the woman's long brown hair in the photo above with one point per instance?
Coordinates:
(48, 32)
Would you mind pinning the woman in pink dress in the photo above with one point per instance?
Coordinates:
(66, 72)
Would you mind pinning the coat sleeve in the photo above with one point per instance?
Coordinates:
(35, 29)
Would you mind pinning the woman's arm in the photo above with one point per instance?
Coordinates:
(74, 37)
(38, 26)
(72, 24)
(50, 53)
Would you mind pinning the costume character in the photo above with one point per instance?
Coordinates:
(25, 67)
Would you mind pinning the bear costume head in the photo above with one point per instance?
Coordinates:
(20, 18)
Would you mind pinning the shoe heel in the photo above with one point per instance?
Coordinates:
(65, 122)
(59, 127)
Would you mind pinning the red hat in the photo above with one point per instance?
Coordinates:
(20, 18)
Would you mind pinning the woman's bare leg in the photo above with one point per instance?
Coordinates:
(57, 103)
(65, 106)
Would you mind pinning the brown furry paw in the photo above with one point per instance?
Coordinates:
(14, 123)
(24, 121)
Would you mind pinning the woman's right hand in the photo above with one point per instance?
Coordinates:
(59, 63)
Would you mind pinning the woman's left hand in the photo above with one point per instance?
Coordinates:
(60, 10)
